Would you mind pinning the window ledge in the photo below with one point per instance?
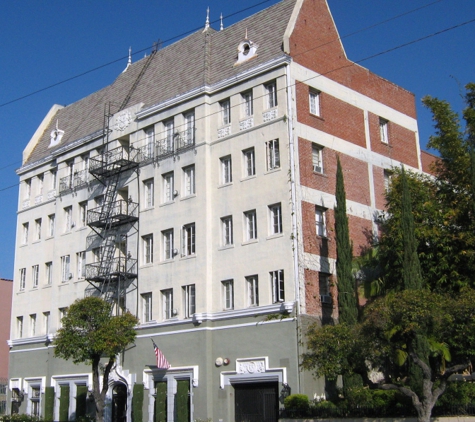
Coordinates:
(164, 204)
(48, 286)
(317, 116)
(166, 261)
(275, 236)
(188, 197)
(248, 178)
(183, 257)
(274, 170)
(250, 242)
(147, 209)
(36, 241)
(224, 185)
(49, 237)
(317, 173)
(222, 248)
(148, 265)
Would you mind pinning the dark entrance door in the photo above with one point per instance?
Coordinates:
(256, 402)
(119, 403)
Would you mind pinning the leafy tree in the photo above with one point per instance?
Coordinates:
(89, 332)
(347, 305)
(383, 342)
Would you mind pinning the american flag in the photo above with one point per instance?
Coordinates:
(162, 362)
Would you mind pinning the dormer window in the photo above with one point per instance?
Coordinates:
(56, 136)
(246, 50)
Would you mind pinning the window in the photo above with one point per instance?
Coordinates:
(249, 162)
(314, 101)
(39, 187)
(147, 307)
(226, 170)
(147, 249)
(70, 176)
(320, 221)
(189, 299)
(317, 158)
(32, 325)
(22, 278)
(24, 236)
(35, 401)
(387, 179)
(383, 131)
(19, 327)
(49, 273)
(189, 180)
(277, 281)
(35, 273)
(189, 128)
(167, 303)
(247, 104)
(149, 142)
(96, 254)
(250, 225)
(227, 230)
(275, 217)
(27, 190)
(225, 112)
(169, 129)
(83, 214)
(65, 268)
(148, 193)
(188, 241)
(273, 155)
(53, 175)
(252, 290)
(51, 225)
(62, 314)
(85, 162)
(324, 286)
(46, 316)
(68, 214)
(228, 294)
(167, 236)
(271, 95)
(81, 264)
(168, 187)
(99, 200)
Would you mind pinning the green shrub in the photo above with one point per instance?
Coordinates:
(298, 402)
(458, 393)
(364, 397)
(20, 418)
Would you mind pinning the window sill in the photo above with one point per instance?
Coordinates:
(386, 144)
(164, 204)
(79, 229)
(36, 241)
(224, 185)
(147, 265)
(317, 173)
(252, 176)
(64, 283)
(49, 237)
(250, 242)
(317, 116)
(193, 195)
(184, 257)
(275, 236)
(274, 170)
(48, 286)
(147, 209)
(80, 280)
(222, 248)
(166, 261)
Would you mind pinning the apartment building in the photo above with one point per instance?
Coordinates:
(197, 192)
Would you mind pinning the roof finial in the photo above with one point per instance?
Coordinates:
(221, 26)
(207, 20)
(129, 62)
(246, 35)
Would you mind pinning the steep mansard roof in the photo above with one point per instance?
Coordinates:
(202, 58)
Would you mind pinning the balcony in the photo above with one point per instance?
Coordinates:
(116, 269)
(121, 212)
(78, 180)
(115, 161)
(178, 142)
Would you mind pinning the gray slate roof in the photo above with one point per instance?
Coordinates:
(192, 62)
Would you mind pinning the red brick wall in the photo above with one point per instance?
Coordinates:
(313, 302)
(379, 189)
(317, 245)
(361, 233)
(337, 117)
(315, 44)
(402, 142)
(6, 290)
(428, 161)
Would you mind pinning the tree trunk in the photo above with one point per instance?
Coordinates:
(98, 399)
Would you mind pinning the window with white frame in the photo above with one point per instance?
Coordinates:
(68, 218)
(189, 180)
(147, 307)
(250, 225)
(225, 106)
(65, 268)
(271, 95)
(277, 282)
(19, 327)
(388, 175)
(226, 170)
(228, 294)
(96, 254)
(149, 142)
(324, 287)
(81, 264)
(83, 214)
(320, 221)
(247, 107)
(314, 102)
(51, 220)
(53, 176)
(249, 161)
(188, 239)
(39, 186)
(169, 131)
(22, 279)
(383, 130)
(35, 275)
(62, 313)
(147, 242)
(25, 231)
(227, 230)
(167, 236)
(148, 193)
(99, 200)
(46, 322)
(35, 395)
(189, 128)
(27, 189)
(189, 300)
(32, 325)
(317, 158)
(167, 303)
(38, 229)
(275, 219)
(273, 154)
(168, 187)
(49, 273)
(70, 176)
(252, 282)
(85, 162)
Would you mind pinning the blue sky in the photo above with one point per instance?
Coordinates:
(45, 42)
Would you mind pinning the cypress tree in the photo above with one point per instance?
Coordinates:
(411, 270)
(347, 304)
